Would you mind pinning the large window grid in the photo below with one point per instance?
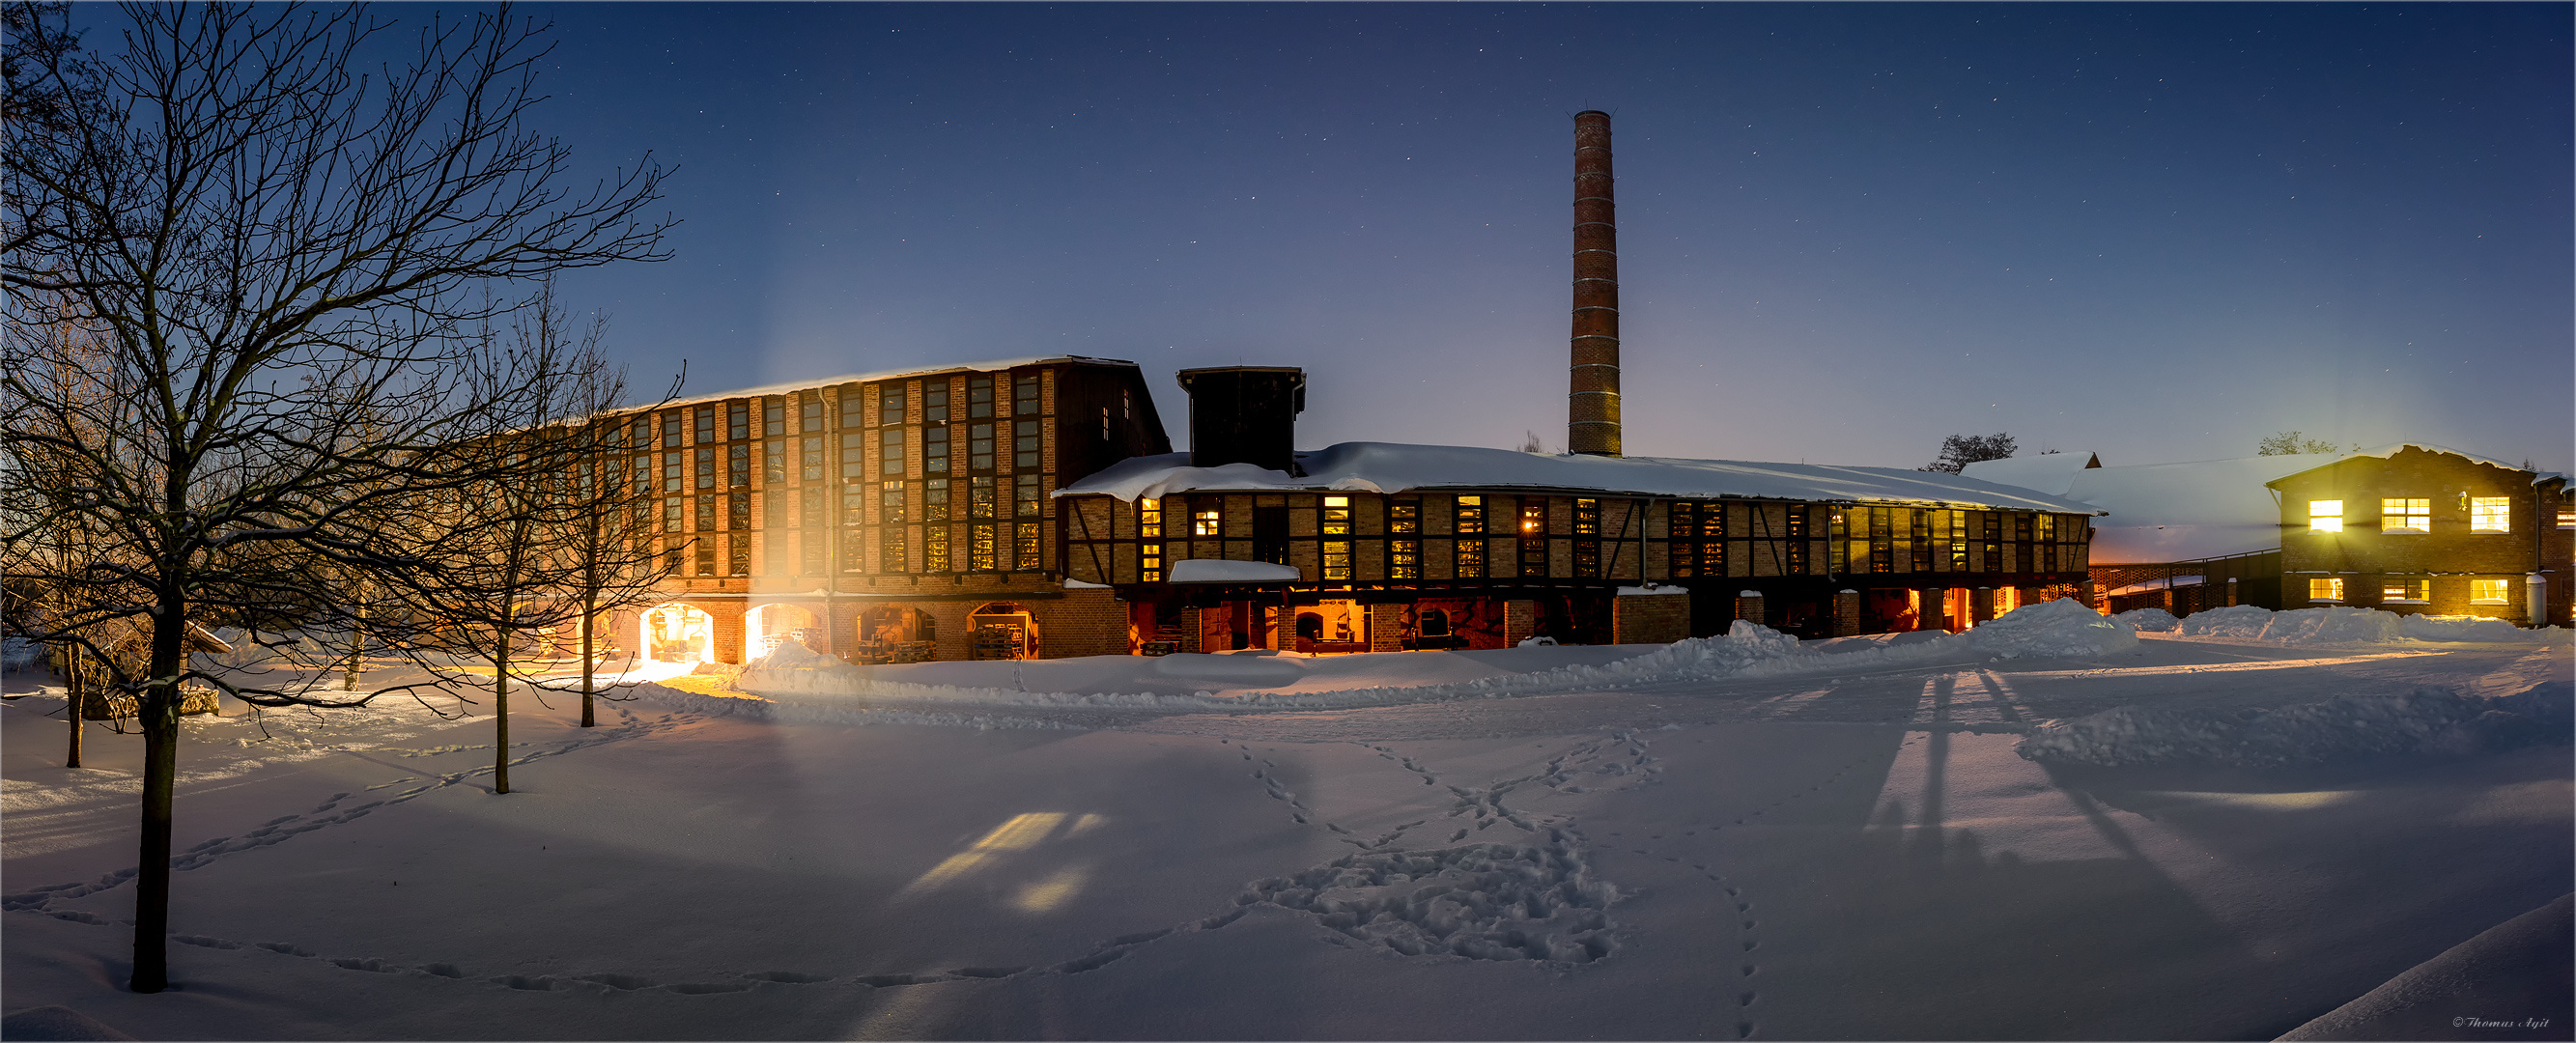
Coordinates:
(1336, 532)
(2406, 515)
(1469, 525)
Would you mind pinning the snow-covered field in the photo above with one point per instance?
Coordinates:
(1733, 838)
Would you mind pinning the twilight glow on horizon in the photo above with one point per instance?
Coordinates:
(2154, 232)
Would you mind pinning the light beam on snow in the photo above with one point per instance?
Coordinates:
(1046, 895)
(1022, 832)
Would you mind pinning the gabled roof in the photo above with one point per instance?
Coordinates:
(2392, 449)
(2047, 472)
(1389, 467)
(2182, 511)
(891, 374)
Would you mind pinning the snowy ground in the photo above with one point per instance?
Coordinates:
(1848, 849)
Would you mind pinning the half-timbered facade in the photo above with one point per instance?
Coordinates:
(1398, 547)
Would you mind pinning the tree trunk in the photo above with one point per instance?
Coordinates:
(159, 712)
(589, 647)
(357, 646)
(501, 714)
(78, 695)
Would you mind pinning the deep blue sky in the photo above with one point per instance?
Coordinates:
(2158, 232)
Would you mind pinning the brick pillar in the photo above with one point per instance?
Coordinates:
(1520, 620)
(2030, 596)
(1846, 613)
(1190, 630)
(1748, 606)
(1981, 605)
(728, 631)
(1928, 609)
(1385, 628)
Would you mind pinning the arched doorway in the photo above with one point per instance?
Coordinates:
(767, 625)
(897, 634)
(1001, 630)
(678, 633)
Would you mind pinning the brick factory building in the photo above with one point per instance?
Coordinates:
(881, 517)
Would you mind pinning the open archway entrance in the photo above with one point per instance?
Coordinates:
(897, 634)
(678, 633)
(767, 625)
(1001, 630)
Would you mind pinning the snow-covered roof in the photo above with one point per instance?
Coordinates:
(1388, 467)
(1219, 570)
(2185, 511)
(2392, 449)
(988, 365)
(2047, 472)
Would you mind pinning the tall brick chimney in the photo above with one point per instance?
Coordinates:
(1592, 410)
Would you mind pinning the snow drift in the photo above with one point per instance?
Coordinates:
(802, 681)
(2426, 720)
(2338, 624)
(2148, 619)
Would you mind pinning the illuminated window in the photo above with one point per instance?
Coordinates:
(2325, 516)
(1211, 521)
(892, 555)
(890, 503)
(934, 502)
(1404, 559)
(2489, 591)
(1024, 548)
(1469, 524)
(2405, 590)
(2567, 517)
(979, 497)
(1337, 523)
(1698, 540)
(2490, 514)
(1149, 563)
(2401, 515)
(1587, 517)
(982, 554)
(934, 549)
(1104, 423)
(1024, 496)
(1149, 518)
(2325, 589)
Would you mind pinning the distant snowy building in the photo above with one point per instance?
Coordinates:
(2204, 534)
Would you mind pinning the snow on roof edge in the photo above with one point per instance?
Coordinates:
(987, 365)
(1382, 467)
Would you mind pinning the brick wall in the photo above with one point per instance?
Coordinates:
(1650, 619)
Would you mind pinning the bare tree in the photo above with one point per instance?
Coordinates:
(2286, 443)
(284, 259)
(1958, 451)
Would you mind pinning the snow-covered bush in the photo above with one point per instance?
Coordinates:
(2431, 720)
(2148, 619)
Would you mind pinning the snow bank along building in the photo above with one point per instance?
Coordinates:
(2409, 528)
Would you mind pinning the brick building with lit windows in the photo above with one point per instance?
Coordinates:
(2423, 529)
(881, 517)
(1242, 543)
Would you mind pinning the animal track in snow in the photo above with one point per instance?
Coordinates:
(1481, 901)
